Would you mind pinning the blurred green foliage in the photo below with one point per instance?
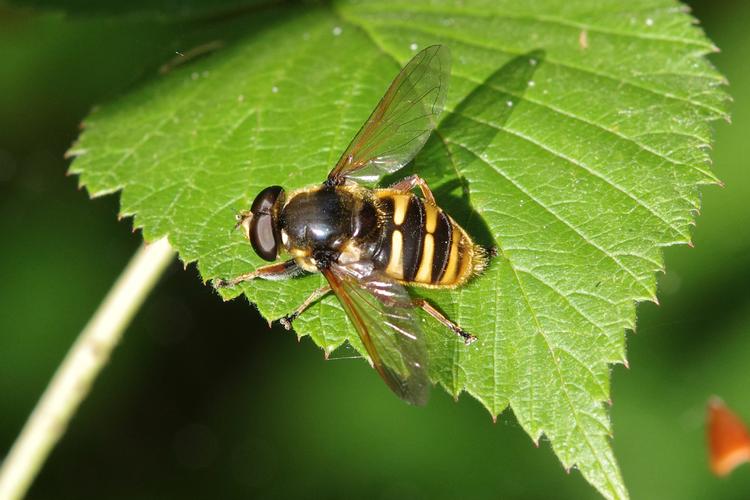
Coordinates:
(202, 400)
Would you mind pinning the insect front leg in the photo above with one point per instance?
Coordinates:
(430, 309)
(412, 181)
(286, 321)
(278, 271)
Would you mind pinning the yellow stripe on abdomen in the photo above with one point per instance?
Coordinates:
(400, 207)
(430, 217)
(396, 264)
(424, 273)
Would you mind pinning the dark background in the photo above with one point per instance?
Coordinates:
(202, 400)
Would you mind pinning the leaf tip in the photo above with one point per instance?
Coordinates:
(535, 440)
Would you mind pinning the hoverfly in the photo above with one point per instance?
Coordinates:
(370, 242)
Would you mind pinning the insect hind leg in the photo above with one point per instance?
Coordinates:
(409, 183)
(432, 311)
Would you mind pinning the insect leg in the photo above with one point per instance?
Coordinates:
(286, 321)
(410, 182)
(430, 309)
(278, 271)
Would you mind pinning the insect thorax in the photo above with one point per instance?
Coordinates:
(326, 223)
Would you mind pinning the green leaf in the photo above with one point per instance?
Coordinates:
(575, 142)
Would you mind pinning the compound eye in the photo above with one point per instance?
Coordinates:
(263, 237)
(265, 200)
(262, 230)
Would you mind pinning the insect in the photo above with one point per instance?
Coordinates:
(370, 242)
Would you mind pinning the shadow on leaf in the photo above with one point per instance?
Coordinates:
(474, 122)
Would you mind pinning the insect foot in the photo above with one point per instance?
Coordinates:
(468, 338)
(219, 283)
(286, 321)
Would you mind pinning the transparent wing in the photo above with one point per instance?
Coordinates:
(383, 315)
(402, 121)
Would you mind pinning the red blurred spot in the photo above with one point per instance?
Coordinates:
(728, 438)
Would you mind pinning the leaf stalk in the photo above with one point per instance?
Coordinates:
(85, 359)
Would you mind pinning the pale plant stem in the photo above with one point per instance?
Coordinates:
(84, 361)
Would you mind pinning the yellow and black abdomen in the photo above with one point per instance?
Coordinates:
(422, 245)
